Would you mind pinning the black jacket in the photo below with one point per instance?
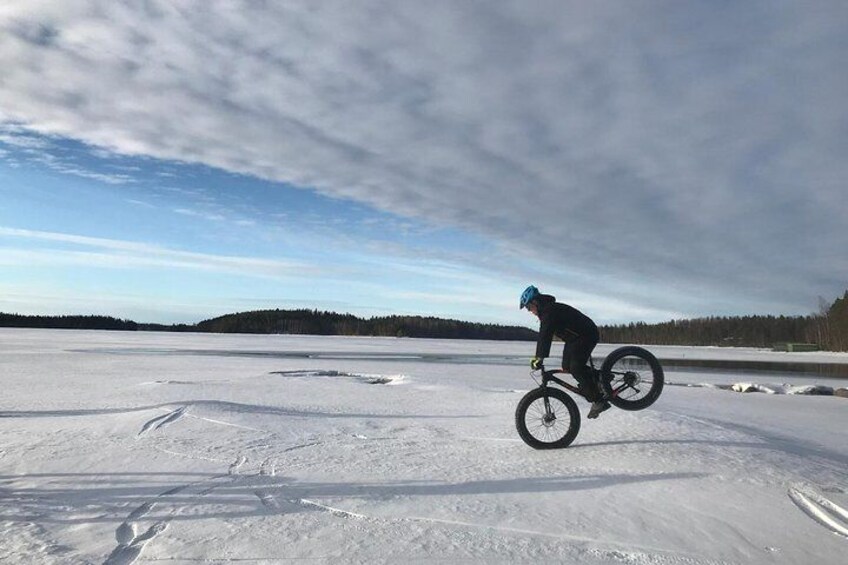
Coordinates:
(562, 320)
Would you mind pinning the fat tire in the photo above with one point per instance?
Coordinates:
(524, 405)
(656, 369)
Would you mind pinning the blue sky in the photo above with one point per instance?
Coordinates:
(641, 161)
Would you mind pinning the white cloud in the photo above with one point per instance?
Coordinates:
(112, 253)
(197, 214)
(50, 301)
(22, 141)
(60, 166)
(140, 203)
(698, 148)
(41, 150)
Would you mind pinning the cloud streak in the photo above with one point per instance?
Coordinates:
(41, 150)
(112, 253)
(695, 148)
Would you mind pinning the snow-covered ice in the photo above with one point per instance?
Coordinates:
(127, 448)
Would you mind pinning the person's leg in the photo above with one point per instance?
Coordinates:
(579, 352)
(567, 354)
(591, 377)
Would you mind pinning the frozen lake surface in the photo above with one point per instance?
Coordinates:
(182, 448)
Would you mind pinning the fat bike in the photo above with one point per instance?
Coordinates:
(631, 378)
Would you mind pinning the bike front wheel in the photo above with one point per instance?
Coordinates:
(547, 427)
(632, 377)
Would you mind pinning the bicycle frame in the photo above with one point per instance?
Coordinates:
(548, 376)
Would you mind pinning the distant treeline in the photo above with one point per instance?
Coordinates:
(330, 323)
(828, 329)
(67, 322)
(313, 322)
(743, 331)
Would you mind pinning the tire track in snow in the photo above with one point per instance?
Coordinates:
(267, 499)
(268, 468)
(126, 532)
(823, 510)
(223, 423)
(628, 553)
(633, 554)
(270, 501)
(810, 456)
(127, 553)
(234, 468)
(164, 420)
(334, 511)
(302, 446)
(130, 544)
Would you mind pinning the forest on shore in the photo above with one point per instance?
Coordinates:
(827, 329)
(309, 322)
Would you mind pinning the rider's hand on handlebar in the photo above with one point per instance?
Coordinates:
(537, 364)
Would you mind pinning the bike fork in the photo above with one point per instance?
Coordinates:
(549, 414)
(547, 405)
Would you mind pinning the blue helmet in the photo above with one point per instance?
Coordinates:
(530, 294)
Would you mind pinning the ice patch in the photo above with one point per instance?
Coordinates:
(804, 390)
(751, 387)
(813, 390)
(809, 390)
(361, 377)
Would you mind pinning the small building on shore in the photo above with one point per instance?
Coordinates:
(795, 347)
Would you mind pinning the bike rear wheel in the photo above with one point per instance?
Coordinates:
(632, 377)
(541, 428)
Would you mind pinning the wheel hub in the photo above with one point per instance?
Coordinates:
(632, 378)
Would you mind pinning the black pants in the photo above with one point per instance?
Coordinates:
(575, 359)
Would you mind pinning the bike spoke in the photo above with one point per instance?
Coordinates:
(547, 430)
(632, 378)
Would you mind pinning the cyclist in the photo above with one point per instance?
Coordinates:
(580, 335)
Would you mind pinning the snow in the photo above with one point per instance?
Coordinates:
(121, 447)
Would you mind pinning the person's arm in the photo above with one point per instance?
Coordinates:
(546, 336)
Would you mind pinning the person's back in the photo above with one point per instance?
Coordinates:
(580, 335)
(561, 320)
